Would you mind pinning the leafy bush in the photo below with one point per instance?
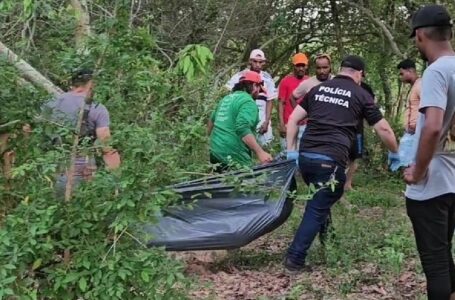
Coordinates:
(159, 129)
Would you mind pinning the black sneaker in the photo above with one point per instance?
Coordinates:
(292, 268)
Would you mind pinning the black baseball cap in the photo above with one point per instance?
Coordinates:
(354, 62)
(84, 74)
(406, 64)
(429, 16)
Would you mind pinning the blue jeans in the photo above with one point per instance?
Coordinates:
(317, 209)
(60, 185)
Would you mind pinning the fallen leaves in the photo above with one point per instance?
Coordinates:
(255, 272)
(244, 285)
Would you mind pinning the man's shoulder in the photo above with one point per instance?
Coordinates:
(99, 109)
(444, 65)
(242, 99)
(242, 96)
(58, 100)
(305, 82)
(266, 76)
(313, 81)
(234, 79)
(286, 79)
(417, 85)
(98, 106)
(240, 73)
(445, 62)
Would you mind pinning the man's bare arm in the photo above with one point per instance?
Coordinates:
(293, 101)
(298, 93)
(110, 156)
(431, 132)
(209, 127)
(268, 110)
(250, 141)
(280, 116)
(292, 128)
(386, 134)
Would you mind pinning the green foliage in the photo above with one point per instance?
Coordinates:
(194, 60)
(158, 126)
(160, 134)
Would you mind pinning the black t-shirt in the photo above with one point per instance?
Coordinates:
(335, 108)
(367, 88)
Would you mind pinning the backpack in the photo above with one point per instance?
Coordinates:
(87, 135)
(85, 131)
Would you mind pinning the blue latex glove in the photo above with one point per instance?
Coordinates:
(394, 161)
(293, 155)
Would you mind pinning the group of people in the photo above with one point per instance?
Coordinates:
(321, 122)
(321, 127)
(290, 92)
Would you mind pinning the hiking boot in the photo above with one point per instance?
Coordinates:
(292, 268)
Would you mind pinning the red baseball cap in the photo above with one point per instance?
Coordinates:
(253, 77)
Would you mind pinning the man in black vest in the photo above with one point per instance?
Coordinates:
(334, 110)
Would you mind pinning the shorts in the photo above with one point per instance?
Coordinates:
(357, 148)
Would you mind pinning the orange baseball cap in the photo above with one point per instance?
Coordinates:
(254, 77)
(300, 58)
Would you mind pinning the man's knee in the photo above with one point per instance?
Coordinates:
(435, 263)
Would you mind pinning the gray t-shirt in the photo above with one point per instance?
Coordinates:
(65, 110)
(438, 90)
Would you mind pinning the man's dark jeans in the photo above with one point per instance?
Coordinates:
(317, 209)
(433, 222)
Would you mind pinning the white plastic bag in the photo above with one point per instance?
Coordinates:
(408, 149)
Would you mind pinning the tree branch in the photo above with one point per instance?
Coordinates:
(83, 22)
(378, 22)
(28, 72)
(225, 27)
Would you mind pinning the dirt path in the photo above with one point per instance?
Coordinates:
(381, 263)
(372, 256)
(241, 275)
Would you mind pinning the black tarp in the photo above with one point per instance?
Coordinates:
(221, 217)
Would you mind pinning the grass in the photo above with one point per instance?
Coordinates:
(372, 247)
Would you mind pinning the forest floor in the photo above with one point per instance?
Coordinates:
(372, 255)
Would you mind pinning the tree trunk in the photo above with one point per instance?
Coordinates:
(385, 31)
(338, 31)
(83, 22)
(400, 103)
(385, 85)
(28, 72)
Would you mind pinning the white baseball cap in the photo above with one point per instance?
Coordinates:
(257, 54)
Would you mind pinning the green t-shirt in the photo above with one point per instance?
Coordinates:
(235, 117)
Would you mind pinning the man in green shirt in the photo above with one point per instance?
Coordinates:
(233, 123)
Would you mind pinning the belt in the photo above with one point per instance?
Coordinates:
(312, 155)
